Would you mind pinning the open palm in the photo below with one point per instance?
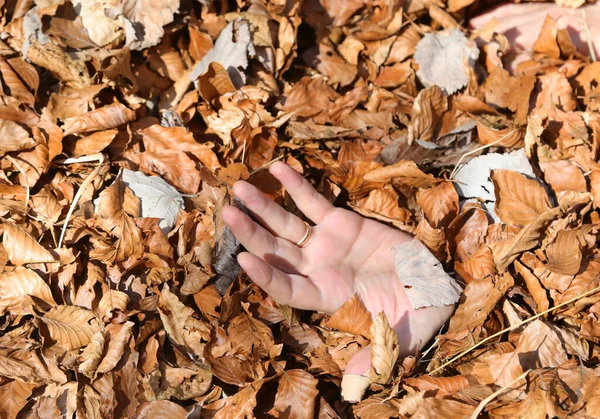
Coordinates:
(346, 254)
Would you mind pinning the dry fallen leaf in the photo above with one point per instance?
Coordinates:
(143, 310)
(385, 350)
(424, 280)
(70, 326)
(442, 56)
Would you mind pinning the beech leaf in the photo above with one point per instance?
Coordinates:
(231, 54)
(385, 350)
(296, 395)
(70, 326)
(441, 57)
(16, 286)
(425, 282)
(157, 198)
(352, 317)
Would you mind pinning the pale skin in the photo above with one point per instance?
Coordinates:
(348, 254)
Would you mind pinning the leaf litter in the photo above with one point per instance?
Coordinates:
(140, 310)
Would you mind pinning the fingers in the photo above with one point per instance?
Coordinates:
(274, 218)
(309, 201)
(294, 290)
(281, 253)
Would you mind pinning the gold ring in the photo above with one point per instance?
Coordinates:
(306, 236)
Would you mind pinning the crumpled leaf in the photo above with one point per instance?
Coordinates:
(107, 117)
(385, 350)
(518, 200)
(116, 210)
(424, 280)
(70, 326)
(14, 396)
(144, 21)
(442, 57)
(296, 395)
(157, 198)
(229, 53)
(22, 248)
(17, 286)
(352, 317)
(14, 137)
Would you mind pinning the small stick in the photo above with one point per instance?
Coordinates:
(267, 164)
(500, 333)
(99, 157)
(588, 37)
(483, 147)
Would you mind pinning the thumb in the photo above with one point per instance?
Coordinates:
(356, 376)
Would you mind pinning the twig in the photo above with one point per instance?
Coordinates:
(483, 147)
(495, 394)
(27, 189)
(500, 333)
(588, 37)
(99, 157)
(267, 164)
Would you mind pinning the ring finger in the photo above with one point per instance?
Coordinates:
(278, 252)
(278, 221)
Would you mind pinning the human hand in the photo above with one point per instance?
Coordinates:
(521, 24)
(345, 254)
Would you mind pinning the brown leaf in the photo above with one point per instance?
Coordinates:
(374, 408)
(405, 172)
(176, 167)
(442, 385)
(183, 329)
(13, 397)
(296, 395)
(94, 143)
(502, 136)
(117, 209)
(519, 200)
(385, 350)
(116, 346)
(428, 110)
(71, 327)
(539, 347)
(564, 254)
(435, 408)
(112, 300)
(546, 42)
(538, 293)
(162, 139)
(250, 336)
(439, 203)
(161, 408)
(563, 175)
(92, 355)
(107, 117)
(352, 317)
(22, 248)
(505, 251)
(14, 137)
(16, 286)
(17, 370)
(15, 87)
(240, 405)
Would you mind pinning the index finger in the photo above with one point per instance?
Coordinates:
(314, 205)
